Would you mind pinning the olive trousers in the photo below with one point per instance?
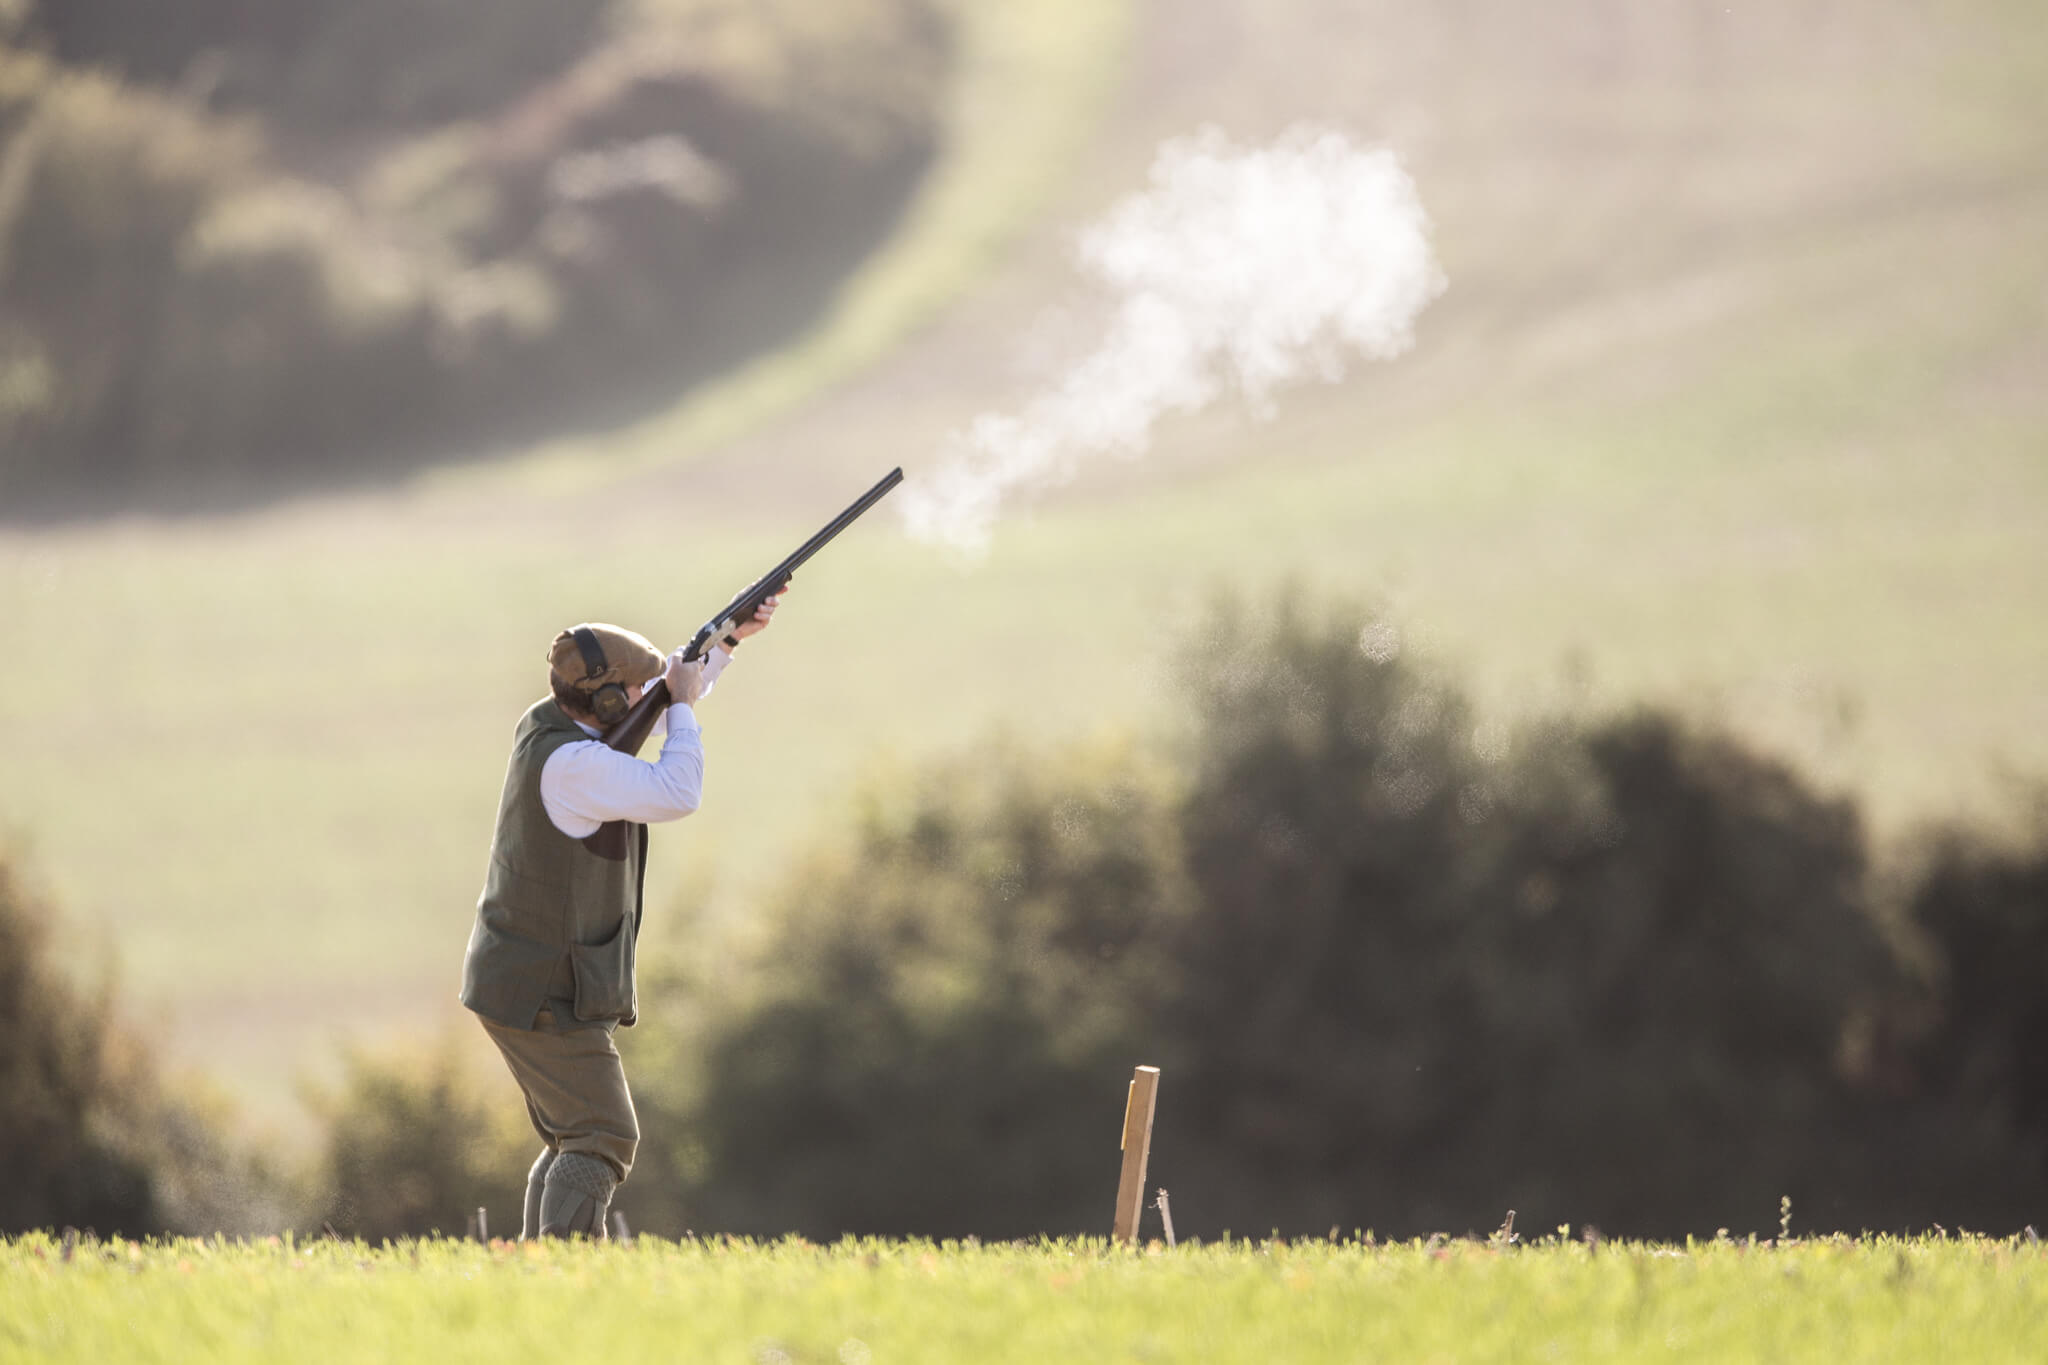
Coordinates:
(575, 1089)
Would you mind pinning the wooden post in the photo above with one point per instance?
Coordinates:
(1130, 1190)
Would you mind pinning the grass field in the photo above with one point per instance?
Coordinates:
(1735, 402)
(856, 1302)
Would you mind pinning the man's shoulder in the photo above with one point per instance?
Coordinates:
(546, 717)
(545, 729)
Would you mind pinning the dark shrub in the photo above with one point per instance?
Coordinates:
(1621, 972)
(1982, 905)
(65, 1101)
(1601, 975)
(316, 64)
(415, 1144)
(91, 1133)
(938, 1037)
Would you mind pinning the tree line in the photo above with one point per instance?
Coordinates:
(1400, 970)
(252, 248)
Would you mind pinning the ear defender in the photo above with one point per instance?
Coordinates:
(608, 702)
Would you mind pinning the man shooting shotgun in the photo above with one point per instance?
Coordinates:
(549, 969)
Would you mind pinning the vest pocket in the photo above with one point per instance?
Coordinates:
(604, 976)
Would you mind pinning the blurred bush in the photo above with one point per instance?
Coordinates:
(94, 1135)
(1981, 903)
(415, 1143)
(320, 65)
(62, 1104)
(1401, 971)
(245, 249)
(90, 1133)
(952, 1000)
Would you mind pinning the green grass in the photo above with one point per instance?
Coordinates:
(1827, 1300)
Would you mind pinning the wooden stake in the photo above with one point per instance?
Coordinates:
(1130, 1189)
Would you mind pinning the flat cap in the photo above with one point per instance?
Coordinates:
(627, 657)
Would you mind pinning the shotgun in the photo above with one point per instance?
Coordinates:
(632, 729)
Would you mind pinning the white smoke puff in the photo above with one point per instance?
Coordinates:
(1237, 270)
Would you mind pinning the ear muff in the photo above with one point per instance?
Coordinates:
(609, 702)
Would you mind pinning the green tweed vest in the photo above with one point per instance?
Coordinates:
(558, 918)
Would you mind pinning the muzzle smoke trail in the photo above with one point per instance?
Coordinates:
(1243, 270)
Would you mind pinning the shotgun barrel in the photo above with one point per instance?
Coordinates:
(632, 729)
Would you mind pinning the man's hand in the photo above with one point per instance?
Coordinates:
(685, 680)
(761, 615)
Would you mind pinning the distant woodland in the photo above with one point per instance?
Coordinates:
(246, 247)
(1621, 971)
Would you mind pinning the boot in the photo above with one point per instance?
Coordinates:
(575, 1195)
(536, 1179)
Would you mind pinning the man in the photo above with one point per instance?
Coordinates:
(550, 964)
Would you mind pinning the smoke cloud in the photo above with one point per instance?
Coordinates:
(1236, 271)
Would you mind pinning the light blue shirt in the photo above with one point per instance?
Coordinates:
(586, 784)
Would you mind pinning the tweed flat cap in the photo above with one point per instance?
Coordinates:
(629, 657)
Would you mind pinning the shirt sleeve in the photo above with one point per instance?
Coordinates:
(587, 783)
(714, 664)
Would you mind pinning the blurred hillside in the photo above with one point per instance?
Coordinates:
(1732, 407)
(245, 249)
